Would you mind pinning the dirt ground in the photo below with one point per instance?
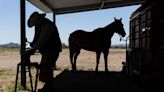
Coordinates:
(9, 58)
(86, 60)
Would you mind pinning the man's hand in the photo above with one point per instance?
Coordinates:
(28, 53)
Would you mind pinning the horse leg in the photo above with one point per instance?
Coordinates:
(106, 60)
(75, 58)
(97, 60)
(71, 57)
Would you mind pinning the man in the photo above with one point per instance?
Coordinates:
(48, 42)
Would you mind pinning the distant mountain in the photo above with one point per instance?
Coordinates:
(10, 45)
(16, 45)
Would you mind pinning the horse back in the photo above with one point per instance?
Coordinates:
(81, 39)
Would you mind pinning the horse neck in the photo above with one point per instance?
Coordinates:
(109, 30)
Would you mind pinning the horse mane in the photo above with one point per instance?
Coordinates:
(104, 29)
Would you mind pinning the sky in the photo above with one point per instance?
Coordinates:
(66, 23)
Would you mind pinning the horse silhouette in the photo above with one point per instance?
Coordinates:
(99, 41)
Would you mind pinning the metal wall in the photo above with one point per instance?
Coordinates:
(147, 39)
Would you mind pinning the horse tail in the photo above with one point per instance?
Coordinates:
(71, 47)
(70, 39)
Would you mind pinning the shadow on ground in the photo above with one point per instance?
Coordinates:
(91, 81)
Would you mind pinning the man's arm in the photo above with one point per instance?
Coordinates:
(36, 36)
(44, 37)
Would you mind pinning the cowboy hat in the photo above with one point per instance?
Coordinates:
(35, 17)
(36, 14)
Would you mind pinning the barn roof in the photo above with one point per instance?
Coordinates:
(70, 6)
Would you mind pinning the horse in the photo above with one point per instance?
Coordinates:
(99, 41)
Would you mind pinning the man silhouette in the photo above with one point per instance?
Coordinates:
(47, 41)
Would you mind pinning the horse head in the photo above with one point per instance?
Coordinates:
(119, 27)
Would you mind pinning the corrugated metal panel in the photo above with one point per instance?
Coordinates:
(40, 5)
(69, 6)
(148, 37)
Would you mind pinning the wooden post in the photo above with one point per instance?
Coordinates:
(22, 37)
(54, 18)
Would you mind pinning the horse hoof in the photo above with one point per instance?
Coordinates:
(74, 70)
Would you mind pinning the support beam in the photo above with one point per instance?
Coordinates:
(22, 37)
(54, 18)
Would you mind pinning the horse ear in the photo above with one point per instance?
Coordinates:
(120, 19)
(115, 18)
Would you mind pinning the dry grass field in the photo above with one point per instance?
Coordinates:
(9, 58)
